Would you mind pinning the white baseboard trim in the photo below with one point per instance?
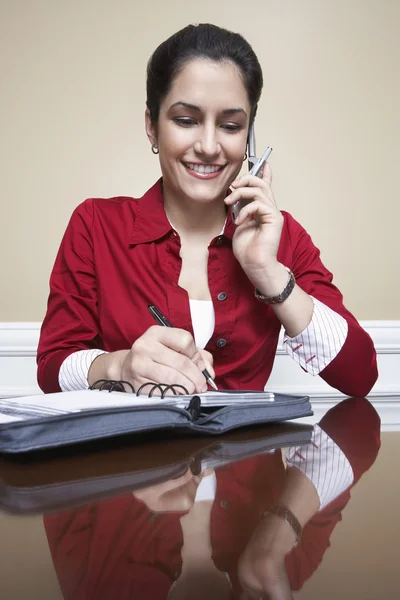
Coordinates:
(18, 344)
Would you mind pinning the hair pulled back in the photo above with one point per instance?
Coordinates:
(203, 41)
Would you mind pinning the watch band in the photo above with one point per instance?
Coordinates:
(285, 293)
(288, 516)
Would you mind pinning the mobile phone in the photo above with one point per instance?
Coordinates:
(255, 167)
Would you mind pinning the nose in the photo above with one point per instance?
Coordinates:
(207, 145)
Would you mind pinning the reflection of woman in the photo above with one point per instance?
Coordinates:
(135, 547)
(178, 248)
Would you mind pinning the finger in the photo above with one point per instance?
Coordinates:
(208, 360)
(142, 369)
(267, 174)
(161, 364)
(250, 193)
(190, 366)
(176, 339)
(248, 180)
(183, 343)
(254, 208)
(164, 375)
(261, 211)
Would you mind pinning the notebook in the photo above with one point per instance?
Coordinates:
(38, 422)
(39, 406)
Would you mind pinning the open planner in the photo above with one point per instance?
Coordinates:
(38, 422)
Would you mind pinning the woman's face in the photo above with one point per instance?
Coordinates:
(202, 131)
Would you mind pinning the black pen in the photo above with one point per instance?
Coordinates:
(163, 321)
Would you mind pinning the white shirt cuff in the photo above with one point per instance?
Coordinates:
(320, 342)
(325, 465)
(74, 370)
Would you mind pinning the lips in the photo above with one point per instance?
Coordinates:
(202, 171)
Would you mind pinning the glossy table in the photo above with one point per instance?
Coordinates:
(120, 521)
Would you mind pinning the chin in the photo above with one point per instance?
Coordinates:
(204, 198)
(200, 193)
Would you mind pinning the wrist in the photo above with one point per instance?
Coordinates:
(287, 520)
(271, 280)
(274, 535)
(114, 368)
(107, 366)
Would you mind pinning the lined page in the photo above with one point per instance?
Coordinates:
(48, 405)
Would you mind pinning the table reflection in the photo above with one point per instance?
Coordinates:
(204, 533)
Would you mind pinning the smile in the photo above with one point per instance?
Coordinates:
(203, 171)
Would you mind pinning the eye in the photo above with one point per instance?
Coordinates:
(184, 121)
(232, 127)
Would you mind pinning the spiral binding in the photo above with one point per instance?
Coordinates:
(118, 386)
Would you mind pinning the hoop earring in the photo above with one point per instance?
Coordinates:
(245, 156)
(154, 149)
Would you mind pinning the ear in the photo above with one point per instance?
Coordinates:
(151, 130)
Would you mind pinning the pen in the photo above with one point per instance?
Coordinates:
(163, 321)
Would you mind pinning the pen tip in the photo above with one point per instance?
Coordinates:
(212, 383)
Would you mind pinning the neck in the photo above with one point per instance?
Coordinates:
(195, 219)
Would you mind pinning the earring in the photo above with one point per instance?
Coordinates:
(245, 156)
(154, 149)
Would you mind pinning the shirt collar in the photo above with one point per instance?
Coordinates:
(151, 222)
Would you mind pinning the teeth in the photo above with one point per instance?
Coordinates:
(203, 168)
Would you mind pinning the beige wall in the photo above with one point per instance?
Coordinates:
(71, 122)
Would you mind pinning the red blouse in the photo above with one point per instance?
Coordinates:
(118, 255)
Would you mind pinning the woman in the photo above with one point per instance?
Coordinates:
(226, 287)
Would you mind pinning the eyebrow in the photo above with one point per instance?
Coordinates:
(227, 111)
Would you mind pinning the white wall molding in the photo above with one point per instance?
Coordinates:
(18, 344)
(18, 339)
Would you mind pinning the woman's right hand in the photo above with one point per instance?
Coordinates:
(162, 355)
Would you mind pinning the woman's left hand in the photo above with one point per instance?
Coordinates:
(258, 226)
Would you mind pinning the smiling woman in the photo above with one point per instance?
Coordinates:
(227, 287)
(201, 136)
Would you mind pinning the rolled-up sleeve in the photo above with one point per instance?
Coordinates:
(316, 346)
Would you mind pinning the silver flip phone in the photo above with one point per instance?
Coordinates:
(255, 166)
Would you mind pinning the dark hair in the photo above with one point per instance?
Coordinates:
(201, 41)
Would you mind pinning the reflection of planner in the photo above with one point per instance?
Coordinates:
(47, 421)
(73, 480)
